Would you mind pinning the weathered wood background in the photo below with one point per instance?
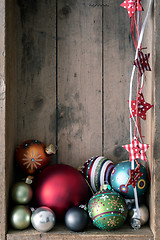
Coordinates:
(70, 72)
(68, 66)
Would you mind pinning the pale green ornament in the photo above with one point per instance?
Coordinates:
(20, 217)
(21, 193)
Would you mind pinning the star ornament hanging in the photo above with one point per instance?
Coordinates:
(136, 150)
(134, 175)
(132, 6)
(142, 105)
(142, 62)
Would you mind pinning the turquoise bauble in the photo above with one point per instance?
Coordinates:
(107, 209)
(120, 176)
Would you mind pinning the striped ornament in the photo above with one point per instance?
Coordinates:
(97, 171)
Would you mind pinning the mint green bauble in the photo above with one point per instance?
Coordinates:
(107, 209)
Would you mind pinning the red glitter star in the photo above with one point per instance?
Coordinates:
(132, 6)
(134, 175)
(143, 107)
(136, 150)
(142, 62)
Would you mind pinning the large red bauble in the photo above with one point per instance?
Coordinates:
(60, 187)
(31, 156)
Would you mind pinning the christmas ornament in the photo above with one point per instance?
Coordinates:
(43, 219)
(122, 181)
(96, 171)
(143, 211)
(60, 187)
(136, 150)
(142, 105)
(32, 155)
(21, 193)
(132, 6)
(142, 62)
(76, 219)
(107, 209)
(20, 217)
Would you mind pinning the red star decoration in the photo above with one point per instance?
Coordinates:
(143, 107)
(142, 62)
(134, 175)
(136, 150)
(132, 6)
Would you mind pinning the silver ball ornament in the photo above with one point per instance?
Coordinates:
(143, 211)
(43, 219)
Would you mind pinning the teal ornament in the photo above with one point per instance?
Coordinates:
(107, 209)
(120, 176)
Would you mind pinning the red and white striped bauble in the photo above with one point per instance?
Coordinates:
(97, 171)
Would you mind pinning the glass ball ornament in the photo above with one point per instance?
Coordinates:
(120, 176)
(21, 193)
(107, 209)
(32, 155)
(60, 187)
(76, 219)
(97, 171)
(43, 219)
(144, 214)
(20, 217)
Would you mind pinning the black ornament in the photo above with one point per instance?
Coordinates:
(76, 219)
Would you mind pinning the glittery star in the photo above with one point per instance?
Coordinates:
(136, 150)
(142, 62)
(132, 6)
(143, 107)
(134, 175)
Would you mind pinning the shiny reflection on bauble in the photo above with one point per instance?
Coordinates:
(43, 219)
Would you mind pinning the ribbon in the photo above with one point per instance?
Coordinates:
(130, 98)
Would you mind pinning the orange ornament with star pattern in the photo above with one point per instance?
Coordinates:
(33, 155)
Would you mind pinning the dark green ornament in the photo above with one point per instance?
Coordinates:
(107, 209)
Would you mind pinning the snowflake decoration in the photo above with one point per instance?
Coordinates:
(104, 197)
(32, 160)
(114, 202)
(113, 222)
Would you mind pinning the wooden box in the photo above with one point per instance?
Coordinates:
(65, 68)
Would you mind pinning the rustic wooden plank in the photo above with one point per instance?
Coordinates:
(2, 122)
(155, 194)
(11, 98)
(61, 233)
(79, 81)
(118, 57)
(36, 117)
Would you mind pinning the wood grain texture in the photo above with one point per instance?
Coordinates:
(155, 194)
(79, 81)
(2, 122)
(118, 57)
(36, 94)
(60, 232)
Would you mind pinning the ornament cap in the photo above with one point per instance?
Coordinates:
(105, 187)
(50, 149)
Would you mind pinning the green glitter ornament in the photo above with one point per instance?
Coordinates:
(107, 209)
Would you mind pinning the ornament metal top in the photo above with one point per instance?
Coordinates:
(32, 155)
